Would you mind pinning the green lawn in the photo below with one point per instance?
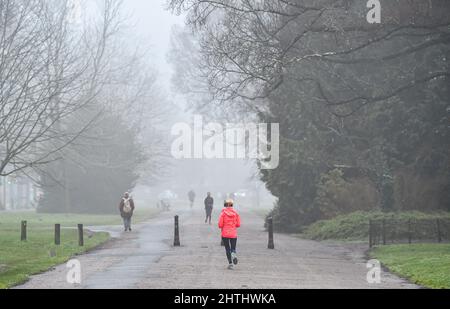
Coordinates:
(19, 260)
(425, 264)
(13, 219)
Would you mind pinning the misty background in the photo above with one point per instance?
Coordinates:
(92, 88)
(119, 138)
(155, 25)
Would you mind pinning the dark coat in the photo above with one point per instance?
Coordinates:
(209, 203)
(122, 205)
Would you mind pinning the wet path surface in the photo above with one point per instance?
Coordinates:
(146, 258)
(120, 263)
(150, 244)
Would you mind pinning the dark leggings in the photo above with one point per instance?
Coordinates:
(208, 214)
(230, 246)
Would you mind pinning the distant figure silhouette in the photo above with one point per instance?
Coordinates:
(126, 208)
(209, 206)
(191, 196)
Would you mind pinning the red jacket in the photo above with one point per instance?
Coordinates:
(229, 222)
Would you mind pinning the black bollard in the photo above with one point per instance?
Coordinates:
(57, 234)
(176, 242)
(271, 243)
(80, 235)
(23, 231)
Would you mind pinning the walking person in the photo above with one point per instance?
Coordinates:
(229, 222)
(191, 196)
(126, 208)
(209, 206)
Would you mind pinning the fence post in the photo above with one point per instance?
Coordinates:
(384, 232)
(271, 243)
(370, 234)
(176, 242)
(23, 231)
(57, 234)
(80, 235)
(409, 232)
(439, 235)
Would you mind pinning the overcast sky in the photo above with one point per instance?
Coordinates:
(153, 25)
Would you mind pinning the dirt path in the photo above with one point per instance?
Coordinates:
(146, 259)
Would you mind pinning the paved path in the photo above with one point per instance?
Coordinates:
(146, 259)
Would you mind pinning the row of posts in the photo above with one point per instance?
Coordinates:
(372, 232)
(271, 245)
(177, 242)
(23, 233)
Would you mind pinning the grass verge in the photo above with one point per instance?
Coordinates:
(13, 219)
(425, 264)
(19, 260)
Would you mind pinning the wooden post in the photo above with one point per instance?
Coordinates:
(271, 243)
(384, 231)
(23, 231)
(57, 234)
(176, 242)
(438, 226)
(370, 234)
(409, 232)
(80, 235)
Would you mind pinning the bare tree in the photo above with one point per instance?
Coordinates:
(49, 69)
(249, 48)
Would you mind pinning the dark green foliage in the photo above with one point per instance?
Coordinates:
(355, 226)
(387, 193)
(366, 100)
(399, 146)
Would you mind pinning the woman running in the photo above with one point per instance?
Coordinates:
(229, 222)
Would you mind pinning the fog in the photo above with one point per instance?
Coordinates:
(120, 76)
(153, 24)
(324, 119)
